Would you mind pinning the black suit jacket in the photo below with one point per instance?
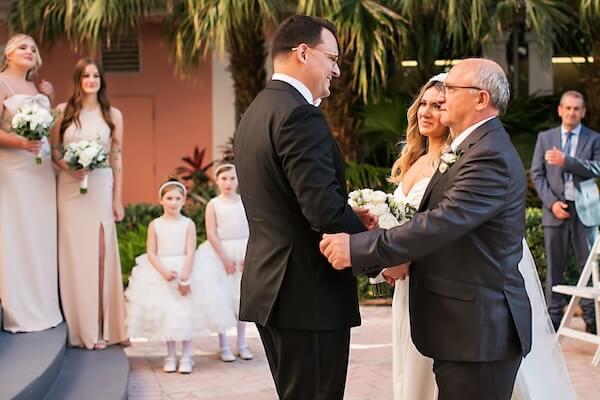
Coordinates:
(466, 293)
(292, 183)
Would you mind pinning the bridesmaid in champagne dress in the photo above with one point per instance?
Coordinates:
(88, 256)
(28, 272)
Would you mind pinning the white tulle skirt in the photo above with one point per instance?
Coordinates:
(157, 311)
(236, 250)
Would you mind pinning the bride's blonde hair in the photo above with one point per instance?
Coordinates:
(12, 44)
(416, 144)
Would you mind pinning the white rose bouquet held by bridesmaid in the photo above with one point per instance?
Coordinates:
(85, 154)
(33, 123)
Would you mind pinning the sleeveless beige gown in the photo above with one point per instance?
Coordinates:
(28, 273)
(81, 219)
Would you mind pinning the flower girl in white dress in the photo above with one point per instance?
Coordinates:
(172, 295)
(227, 234)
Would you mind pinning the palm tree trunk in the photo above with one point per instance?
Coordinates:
(340, 109)
(593, 89)
(247, 62)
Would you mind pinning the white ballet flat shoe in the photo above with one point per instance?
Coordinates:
(227, 356)
(185, 366)
(170, 365)
(245, 353)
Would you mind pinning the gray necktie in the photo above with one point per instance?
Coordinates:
(567, 150)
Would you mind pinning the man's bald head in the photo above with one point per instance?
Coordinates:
(486, 75)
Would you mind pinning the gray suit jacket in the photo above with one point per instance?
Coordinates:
(466, 293)
(548, 179)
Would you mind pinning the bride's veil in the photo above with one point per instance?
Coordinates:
(543, 373)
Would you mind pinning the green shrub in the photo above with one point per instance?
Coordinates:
(534, 233)
(196, 213)
(140, 215)
(368, 291)
(360, 176)
(132, 243)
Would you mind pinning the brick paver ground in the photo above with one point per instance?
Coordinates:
(369, 375)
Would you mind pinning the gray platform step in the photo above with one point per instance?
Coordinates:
(92, 375)
(30, 362)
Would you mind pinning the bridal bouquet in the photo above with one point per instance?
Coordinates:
(33, 122)
(390, 212)
(85, 154)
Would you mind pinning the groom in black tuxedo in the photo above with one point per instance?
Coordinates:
(291, 179)
(469, 310)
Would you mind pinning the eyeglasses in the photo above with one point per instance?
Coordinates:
(455, 87)
(333, 57)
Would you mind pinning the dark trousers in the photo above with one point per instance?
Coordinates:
(556, 240)
(307, 365)
(477, 380)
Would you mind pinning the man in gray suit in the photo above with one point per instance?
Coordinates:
(564, 158)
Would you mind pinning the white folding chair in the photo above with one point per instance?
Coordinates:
(583, 291)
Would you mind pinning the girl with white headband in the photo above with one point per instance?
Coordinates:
(227, 234)
(171, 296)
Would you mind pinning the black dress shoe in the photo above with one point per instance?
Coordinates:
(591, 328)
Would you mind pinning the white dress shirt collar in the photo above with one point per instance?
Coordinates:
(299, 86)
(464, 134)
(575, 131)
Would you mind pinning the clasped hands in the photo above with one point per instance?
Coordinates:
(183, 284)
(336, 247)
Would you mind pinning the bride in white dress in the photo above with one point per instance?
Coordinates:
(543, 373)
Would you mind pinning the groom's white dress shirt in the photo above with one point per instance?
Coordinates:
(461, 138)
(299, 86)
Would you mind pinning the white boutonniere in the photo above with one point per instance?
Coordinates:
(447, 159)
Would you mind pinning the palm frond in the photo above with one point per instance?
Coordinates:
(82, 21)
(370, 34)
(589, 13)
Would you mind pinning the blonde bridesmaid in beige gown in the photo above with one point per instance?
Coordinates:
(28, 272)
(90, 269)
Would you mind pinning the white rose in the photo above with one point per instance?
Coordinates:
(378, 196)
(387, 221)
(352, 203)
(354, 195)
(378, 208)
(17, 120)
(87, 155)
(449, 158)
(443, 168)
